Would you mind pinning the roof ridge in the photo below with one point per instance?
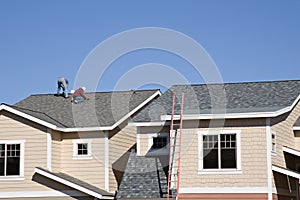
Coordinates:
(118, 91)
(241, 82)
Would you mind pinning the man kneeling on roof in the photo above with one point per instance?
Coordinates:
(79, 95)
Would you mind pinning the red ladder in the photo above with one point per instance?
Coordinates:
(173, 137)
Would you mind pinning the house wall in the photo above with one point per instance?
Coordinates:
(89, 170)
(285, 136)
(56, 150)
(253, 175)
(283, 126)
(120, 144)
(35, 153)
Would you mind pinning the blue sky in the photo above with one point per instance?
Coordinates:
(249, 40)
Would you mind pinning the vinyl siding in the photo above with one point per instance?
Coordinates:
(16, 128)
(285, 136)
(88, 170)
(253, 154)
(119, 149)
(56, 150)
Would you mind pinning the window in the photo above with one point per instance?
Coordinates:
(219, 151)
(82, 149)
(273, 143)
(11, 158)
(159, 142)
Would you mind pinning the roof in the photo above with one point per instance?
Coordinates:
(144, 178)
(104, 110)
(75, 183)
(297, 123)
(229, 99)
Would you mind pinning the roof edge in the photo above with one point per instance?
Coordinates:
(70, 184)
(84, 129)
(235, 115)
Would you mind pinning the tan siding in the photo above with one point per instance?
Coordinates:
(253, 160)
(15, 128)
(119, 146)
(56, 150)
(253, 155)
(90, 170)
(283, 125)
(223, 196)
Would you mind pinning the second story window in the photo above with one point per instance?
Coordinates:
(219, 151)
(82, 149)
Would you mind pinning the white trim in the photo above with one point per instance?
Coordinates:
(26, 116)
(291, 151)
(75, 150)
(226, 190)
(22, 155)
(106, 161)
(238, 169)
(68, 183)
(286, 172)
(269, 157)
(296, 128)
(36, 194)
(234, 115)
(49, 149)
(49, 125)
(163, 123)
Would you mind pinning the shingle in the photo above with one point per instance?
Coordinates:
(103, 108)
(78, 182)
(223, 98)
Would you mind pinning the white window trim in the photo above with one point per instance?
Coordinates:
(162, 151)
(22, 154)
(238, 169)
(80, 141)
(274, 153)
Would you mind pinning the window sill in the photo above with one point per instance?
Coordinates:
(219, 171)
(12, 178)
(82, 158)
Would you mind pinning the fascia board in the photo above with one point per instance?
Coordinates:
(286, 172)
(68, 183)
(26, 116)
(84, 129)
(148, 123)
(291, 151)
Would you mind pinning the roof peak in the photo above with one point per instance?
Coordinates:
(241, 82)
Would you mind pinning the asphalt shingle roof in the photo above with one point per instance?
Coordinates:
(103, 109)
(237, 98)
(78, 182)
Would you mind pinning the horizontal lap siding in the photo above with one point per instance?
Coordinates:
(90, 170)
(223, 196)
(35, 151)
(253, 160)
(119, 146)
(283, 125)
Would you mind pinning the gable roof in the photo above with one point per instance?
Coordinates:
(104, 110)
(75, 183)
(239, 100)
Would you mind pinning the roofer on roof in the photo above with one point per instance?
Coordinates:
(62, 84)
(79, 95)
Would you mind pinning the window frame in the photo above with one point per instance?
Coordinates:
(158, 151)
(75, 149)
(237, 170)
(22, 155)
